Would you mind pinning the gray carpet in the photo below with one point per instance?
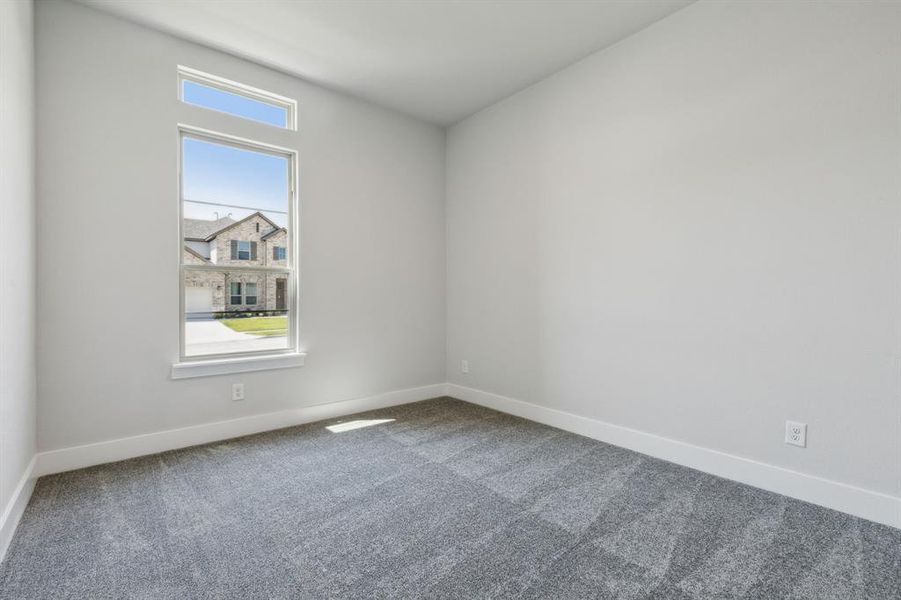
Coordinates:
(448, 500)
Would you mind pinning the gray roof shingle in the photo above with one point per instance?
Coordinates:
(273, 232)
(201, 229)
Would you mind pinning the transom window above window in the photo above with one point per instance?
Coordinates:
(223, 95)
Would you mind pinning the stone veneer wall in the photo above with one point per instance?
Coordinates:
(221, 250)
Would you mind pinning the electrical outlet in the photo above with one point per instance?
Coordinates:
(237, 392)
(464, 366)
(796, 433)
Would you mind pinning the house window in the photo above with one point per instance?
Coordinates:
(279, 253)
(223, 95)
(231, 190)
(235, 292)
(250, 294)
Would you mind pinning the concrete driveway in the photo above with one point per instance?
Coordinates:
(209, 336)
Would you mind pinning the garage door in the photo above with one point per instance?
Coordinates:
(198, 302)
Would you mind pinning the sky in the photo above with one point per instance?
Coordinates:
(225, 175)
(208, 97)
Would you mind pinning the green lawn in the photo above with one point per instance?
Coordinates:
(265, 326)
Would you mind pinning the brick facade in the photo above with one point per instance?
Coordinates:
(265, 238)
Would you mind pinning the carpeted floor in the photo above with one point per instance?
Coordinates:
(446, 500)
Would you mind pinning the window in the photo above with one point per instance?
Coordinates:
(233, 194)
(222, 95)
(235, 293)
(250, 296)
(243, 250)
(279, 253)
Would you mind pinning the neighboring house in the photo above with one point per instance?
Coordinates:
(254, 241)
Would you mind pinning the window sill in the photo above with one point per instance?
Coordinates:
(243, 364)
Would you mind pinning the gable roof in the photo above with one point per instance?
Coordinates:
(193, 252)
(274, 232)
(199, 230)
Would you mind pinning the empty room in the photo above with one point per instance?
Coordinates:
(470, 299)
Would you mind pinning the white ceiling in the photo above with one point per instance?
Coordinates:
(439, 60)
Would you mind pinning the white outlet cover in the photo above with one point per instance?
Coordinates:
(464, 366)
(237, 392)
(796, 433)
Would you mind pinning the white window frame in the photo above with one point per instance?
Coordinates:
(241, 89)
(281, 253)
(249, 249)
(233, 362)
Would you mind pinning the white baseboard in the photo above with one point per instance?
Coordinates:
(77, 457)
(870, 505)
(12, 512)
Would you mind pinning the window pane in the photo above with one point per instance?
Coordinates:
(250, 295)
(227, 175)
(235, 204)
(243, 250)
(232, 103)
(220, 320)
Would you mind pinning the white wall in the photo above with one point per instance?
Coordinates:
(372, 311)
(695, 233)
(17, 252)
